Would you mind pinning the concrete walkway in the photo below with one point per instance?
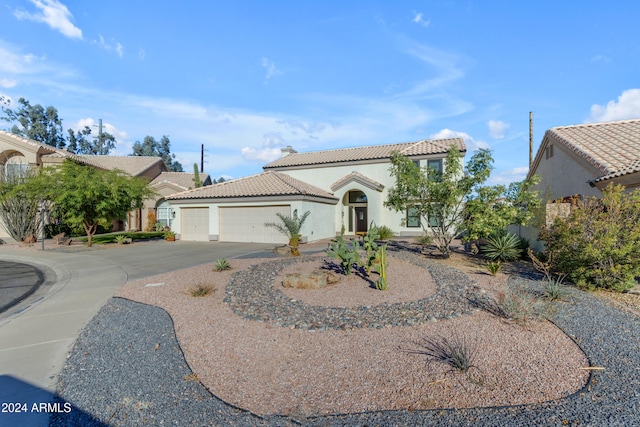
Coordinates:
(37, 334)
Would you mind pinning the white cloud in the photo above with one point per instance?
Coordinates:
(497, 128)
(270, 67)
(508, 176)
(54, 14)
(112, 46)
(446, 70)
(263, 155)
(8, 83)
(627, 107)
(141, 54)
(472, 144)
(270, 150)
(418, 18)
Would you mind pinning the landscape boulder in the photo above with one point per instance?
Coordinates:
(317, 279)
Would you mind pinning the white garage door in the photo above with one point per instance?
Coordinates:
(246, 224)
(195, 224)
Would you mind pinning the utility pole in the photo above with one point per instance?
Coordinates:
(530, 139)
(202, 158)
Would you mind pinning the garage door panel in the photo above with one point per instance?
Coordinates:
(246, 224)
(195, 224)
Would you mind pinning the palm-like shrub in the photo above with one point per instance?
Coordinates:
(502, 247)
(290, 227)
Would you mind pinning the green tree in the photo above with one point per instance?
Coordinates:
(438, 198)
(491, 209)
(150, 147)
(598, 244)
(35, 122)
(83, 142)
(87, 196)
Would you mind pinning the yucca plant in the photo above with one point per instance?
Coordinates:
(222, 264)
(502, 247)
(290, 227)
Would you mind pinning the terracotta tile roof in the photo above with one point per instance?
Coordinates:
(133, 165)
(358, 177)
(50, 150)
(263, 184)
(611, 147)
(180, 179)
(367, 153)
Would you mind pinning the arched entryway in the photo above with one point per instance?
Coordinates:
(355, 202)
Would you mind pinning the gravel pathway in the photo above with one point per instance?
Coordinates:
(128, 369)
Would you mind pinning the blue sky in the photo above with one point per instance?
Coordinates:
(246, 78)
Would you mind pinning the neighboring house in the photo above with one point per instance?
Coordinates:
(584, 159)
(581, 160)
(165, 184)
(18, 154)
(342, 188)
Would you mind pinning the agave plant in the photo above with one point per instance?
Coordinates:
(502, 247)
(290, 227)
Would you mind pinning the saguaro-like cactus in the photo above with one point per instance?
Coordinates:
(381, 268)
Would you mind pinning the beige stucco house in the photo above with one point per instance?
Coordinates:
(342, 188)
(18, 153)
(584, 159)
(580, 161)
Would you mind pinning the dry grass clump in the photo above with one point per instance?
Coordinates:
(201, 290)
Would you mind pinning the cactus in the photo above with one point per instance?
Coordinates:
(340, 251)
(381, 267)
(370, 246)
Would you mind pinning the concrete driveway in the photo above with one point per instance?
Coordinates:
(37, 334)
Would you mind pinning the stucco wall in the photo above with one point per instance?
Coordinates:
(565, 174)
(325, 176)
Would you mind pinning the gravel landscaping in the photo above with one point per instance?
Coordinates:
(128, 368)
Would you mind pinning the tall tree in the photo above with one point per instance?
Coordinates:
(162, 149)
(35, 122)
(83, 142)
(86, 196)
(437, 198)
(492, 208)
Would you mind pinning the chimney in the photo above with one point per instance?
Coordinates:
(287, 150)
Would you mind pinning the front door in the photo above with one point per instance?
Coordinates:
(361, 219)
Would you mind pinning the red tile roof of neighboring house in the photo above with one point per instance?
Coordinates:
(611, 147)
(263, 184)
(133, 165)
(180, 179)
(418, 148)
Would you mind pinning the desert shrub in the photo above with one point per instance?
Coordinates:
(384, 232)
(458, 352)
(201, 290)
(598, 244)
(121, 239)
(222, 264)
(553, 289)
(519, 305)
(502, 246)
(494, 267)
(424, 240)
